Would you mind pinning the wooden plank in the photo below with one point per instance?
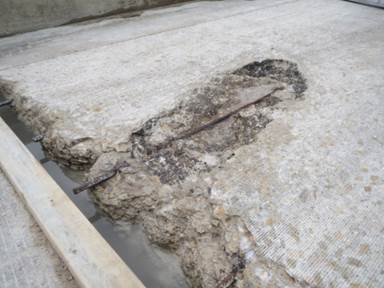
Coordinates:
(89, 257)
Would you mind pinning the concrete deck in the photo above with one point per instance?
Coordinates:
(27, 258)
(309, 190)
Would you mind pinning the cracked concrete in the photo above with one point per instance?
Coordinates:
(301, 203)
(166, 179)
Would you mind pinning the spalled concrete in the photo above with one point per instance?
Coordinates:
(300, 206)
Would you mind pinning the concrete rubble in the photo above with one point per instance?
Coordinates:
(249, 134)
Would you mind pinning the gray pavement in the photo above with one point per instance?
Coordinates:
(309, 190)
(27, 258)
(22, 16)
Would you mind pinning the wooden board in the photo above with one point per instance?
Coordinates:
(89, 257)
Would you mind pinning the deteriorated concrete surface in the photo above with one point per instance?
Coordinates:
(296, 202)
(27, 258)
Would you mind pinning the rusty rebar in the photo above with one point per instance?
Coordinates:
(6, 103)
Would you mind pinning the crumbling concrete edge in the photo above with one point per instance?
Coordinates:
(232, 256)
(91, 260)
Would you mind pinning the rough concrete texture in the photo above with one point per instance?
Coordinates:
(378, 3)
(18, 16)
(27, 258)
(284, 192)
